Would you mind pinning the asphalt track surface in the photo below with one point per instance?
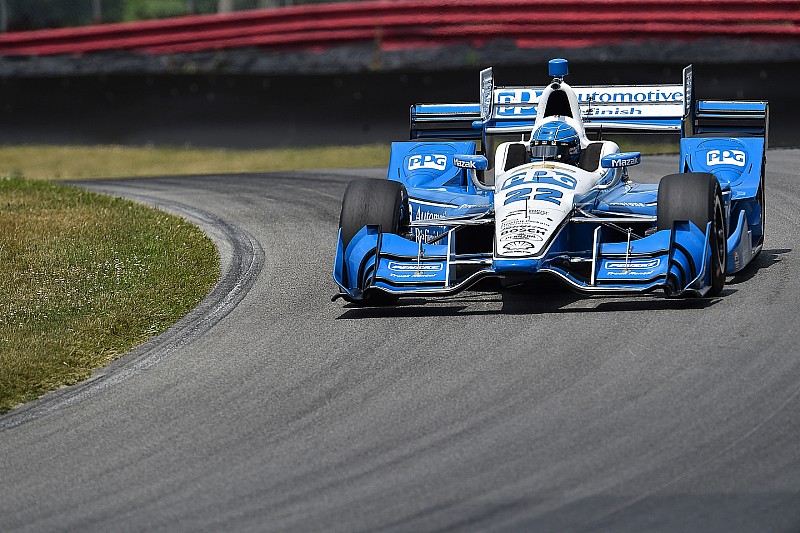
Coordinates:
(270, 408)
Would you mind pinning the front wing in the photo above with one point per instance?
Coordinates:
(675, 260)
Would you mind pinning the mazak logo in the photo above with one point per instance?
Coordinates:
(465, 163)
(625, 162)
(434, 161)
(414, 267)
(725, 157)
(633, 265)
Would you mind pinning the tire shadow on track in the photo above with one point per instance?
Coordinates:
(529, 299)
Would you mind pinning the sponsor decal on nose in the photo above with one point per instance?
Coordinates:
(406, 267)
(632, 265)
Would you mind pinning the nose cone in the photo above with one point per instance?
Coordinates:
(517, 266)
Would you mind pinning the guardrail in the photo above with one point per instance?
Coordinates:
(393, 25)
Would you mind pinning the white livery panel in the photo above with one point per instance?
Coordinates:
(532, 201)
(597, 102)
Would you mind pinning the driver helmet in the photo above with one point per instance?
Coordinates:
(556, 141)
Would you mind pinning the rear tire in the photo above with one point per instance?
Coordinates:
(696, 196)
(761, 198)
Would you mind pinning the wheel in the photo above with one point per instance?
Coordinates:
(369, 201)
(697, 196)
(381, 202)
(761, 198)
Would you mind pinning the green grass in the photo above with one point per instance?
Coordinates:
(652, 148)
(42, 162)
(84, 278)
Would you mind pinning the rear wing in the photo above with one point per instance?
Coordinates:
(714, 118)
(604, 108)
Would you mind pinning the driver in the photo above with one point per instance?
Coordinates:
(555, 141)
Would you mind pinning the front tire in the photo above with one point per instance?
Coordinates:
(370, 201)
(374, 202)
(696, 196)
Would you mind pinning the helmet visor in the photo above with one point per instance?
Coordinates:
(549, 152)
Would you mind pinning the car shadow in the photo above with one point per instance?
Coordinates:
(765, 259)
(541, 296)
(556, 300)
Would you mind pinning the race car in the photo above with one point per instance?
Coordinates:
(527, 183)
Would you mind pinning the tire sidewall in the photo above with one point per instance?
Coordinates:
(718, 241)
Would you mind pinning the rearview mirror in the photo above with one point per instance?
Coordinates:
(623, 159)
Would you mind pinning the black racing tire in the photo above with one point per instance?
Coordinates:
(370, 201)
(696, 196)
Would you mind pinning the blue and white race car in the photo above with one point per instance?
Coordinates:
(525, 184)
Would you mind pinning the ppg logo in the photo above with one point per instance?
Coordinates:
(434, 161)
(725, 157)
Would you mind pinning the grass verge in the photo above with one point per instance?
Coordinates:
(84, 278)
(42, 162)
